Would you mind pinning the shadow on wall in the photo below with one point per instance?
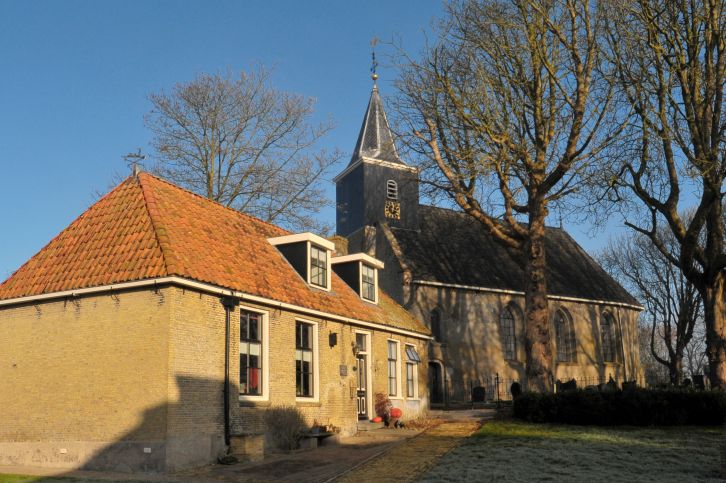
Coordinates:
(186, 433)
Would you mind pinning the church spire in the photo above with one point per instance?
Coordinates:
(375, 140)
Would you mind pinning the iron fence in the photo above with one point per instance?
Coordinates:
(488, 389)
(495, 389)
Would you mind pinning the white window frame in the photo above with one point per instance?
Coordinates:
(265, 326)
(375, 282)
(316, 363)
(399, 392)
(415, 375)
(328, 266)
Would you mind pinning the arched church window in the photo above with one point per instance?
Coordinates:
(608, 337)
(564, 337)
(506, 326)
(391, 190)
(436, 324)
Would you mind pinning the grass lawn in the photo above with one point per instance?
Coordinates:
(27, 478)
(7, 478)
(516, 451)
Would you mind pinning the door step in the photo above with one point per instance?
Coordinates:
(369, 426)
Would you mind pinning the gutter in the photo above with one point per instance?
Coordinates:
(517, 292)
(213, 289)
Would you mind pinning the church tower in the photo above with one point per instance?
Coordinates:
(376, 186)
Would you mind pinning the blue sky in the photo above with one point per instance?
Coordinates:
(74, 77)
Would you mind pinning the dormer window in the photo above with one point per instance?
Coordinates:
(391, 190)
(360, 272)
(318, 266)
(309, 255)
(368, 280)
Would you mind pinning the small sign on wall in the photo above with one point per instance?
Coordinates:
(343, 370)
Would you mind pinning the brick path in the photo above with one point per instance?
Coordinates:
(412, 458)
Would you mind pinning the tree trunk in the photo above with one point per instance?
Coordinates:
(714, 307)
(537, 327)
(675, 369)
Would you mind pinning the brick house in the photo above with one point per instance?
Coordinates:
(449, 272)
(159, 326)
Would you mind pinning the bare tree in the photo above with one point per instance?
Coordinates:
(505, 112)
(671, 67)
(673, 307)
(242, 143)
(654, 372)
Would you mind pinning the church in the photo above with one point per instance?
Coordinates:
(448, 272)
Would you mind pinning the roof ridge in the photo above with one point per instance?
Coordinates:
(208, 200)
(456, 212)
(162, 239)
(58, 235)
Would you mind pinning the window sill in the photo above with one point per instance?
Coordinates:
(395, 398)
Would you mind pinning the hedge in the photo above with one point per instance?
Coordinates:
(636, 407)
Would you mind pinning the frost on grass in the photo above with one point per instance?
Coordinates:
(513, 451)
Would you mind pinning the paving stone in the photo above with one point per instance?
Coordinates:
(408, 460)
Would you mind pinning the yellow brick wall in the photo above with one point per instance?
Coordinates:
(196, 363)
(85, 369)
(196, 368)
(148, 366)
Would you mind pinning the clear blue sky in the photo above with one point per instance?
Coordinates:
(74, 77)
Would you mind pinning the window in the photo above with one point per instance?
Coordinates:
(608, 337)
(304, 359)
(318, 266)
(392, 368)
(436, 324)
(506, 326)
(412, 360)
(368, 282)
(391, 190)
(250, 354)
(564, 337)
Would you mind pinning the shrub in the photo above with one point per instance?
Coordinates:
(383, 405)
(285, 426)
(637, 407)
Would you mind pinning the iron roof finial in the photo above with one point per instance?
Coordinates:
(374, 62)
(133, 160)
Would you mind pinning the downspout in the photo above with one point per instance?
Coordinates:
(229, 304)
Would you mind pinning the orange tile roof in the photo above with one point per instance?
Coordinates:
(147, 228)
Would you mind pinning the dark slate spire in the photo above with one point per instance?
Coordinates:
(375, 139)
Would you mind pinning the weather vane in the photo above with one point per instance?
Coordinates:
(133, 160)
(374, 62)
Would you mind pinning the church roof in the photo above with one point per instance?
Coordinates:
(375, 139)
(450, 248)
(147, 228)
